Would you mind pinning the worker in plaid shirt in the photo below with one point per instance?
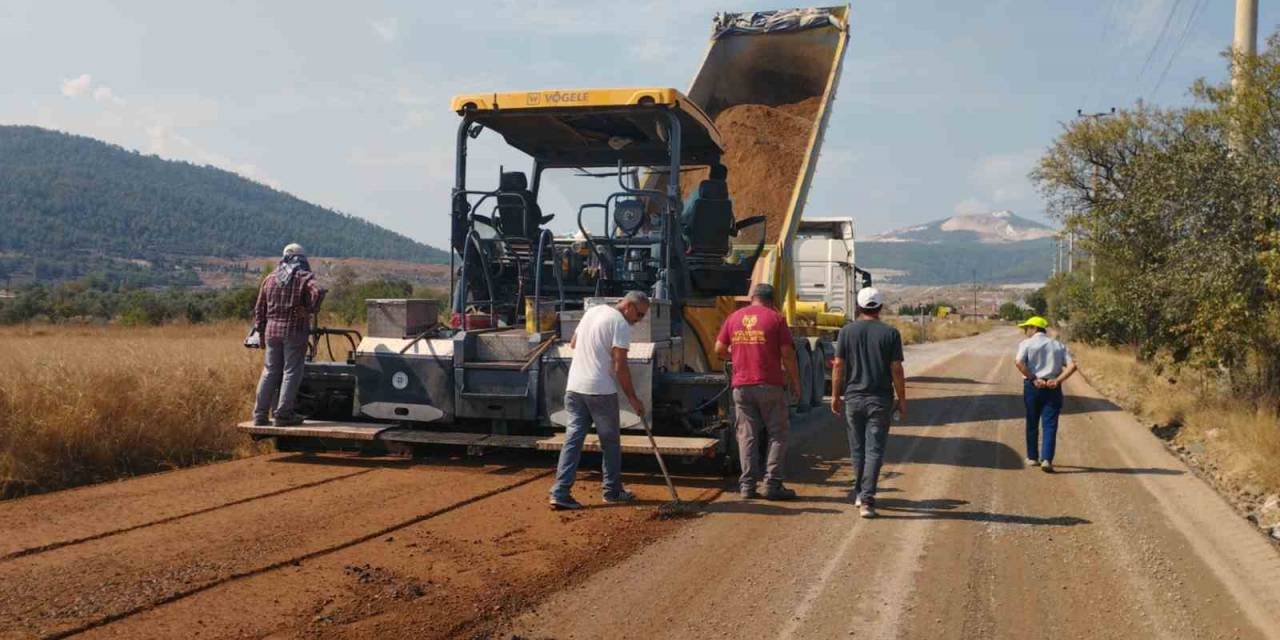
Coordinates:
(282, 315)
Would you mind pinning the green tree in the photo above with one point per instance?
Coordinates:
(1179, 209)
(1011, 311)
(1038, 302)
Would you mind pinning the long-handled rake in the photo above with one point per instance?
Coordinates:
(676, 508)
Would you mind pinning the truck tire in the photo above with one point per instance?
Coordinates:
(819, 374)
(805, 363)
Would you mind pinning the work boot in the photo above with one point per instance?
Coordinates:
(778, 492)
(564, 504)
(288, 421)
(620, 496)
(748, 493)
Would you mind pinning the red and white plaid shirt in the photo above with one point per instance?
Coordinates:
(283, 312)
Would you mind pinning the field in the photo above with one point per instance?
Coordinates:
(87, 404)
(81, 404)
(938, 329)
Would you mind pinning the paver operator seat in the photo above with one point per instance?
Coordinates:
(708, 224)
(708, 218)
(519, 215)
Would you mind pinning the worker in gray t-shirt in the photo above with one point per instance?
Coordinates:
(866, 373)
(1044, 364)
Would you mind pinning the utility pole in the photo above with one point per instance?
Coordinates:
(1243, 47)
(1071, 251)
(1097, 176)
(1246, 38)
(975, 295)
(1057, 258)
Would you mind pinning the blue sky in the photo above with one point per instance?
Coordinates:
(943, 106)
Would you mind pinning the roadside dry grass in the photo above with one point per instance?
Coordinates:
(82, 404)
(1233, 440)
(938, 329)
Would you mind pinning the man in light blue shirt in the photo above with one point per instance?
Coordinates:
(1044, 364)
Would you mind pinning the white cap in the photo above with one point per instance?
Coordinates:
(869, 298)
(294, 249)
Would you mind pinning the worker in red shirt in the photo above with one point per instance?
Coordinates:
(758, 342)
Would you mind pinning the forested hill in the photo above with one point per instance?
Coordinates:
(62, 194)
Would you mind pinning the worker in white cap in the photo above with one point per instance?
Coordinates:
(287, 298)
(865, 376)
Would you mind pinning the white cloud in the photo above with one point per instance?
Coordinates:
(646, 50)
(971, 206)
(105, 95)
(158, 126)
(77, 86)
(82, 85)
(163, 140)
(1000, 181)
(1003, 176)
(387, 28)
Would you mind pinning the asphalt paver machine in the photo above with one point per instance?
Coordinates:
(490, 370)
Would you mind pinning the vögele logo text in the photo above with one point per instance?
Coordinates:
(557, 97)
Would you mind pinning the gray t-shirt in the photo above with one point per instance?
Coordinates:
(868, 347)
(1043, 356)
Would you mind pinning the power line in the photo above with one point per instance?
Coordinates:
(1182, 41)
(1159, 39)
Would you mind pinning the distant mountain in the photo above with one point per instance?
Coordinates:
(997, 248)
(997, 227)
(63, 195)
(957, 263)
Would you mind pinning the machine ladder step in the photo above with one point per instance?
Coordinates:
(683, 446)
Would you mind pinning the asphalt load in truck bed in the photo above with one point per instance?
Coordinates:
(764, 152)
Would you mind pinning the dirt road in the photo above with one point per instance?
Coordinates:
(1123, 542)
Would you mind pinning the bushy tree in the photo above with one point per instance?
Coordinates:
(1010, 311)
(1179, 209)
(1037, 301)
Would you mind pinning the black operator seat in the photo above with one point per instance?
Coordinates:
(708, 220)
(514, 219)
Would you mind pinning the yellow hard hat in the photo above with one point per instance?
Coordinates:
(1035, 321)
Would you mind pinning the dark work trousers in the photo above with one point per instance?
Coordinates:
(1043, 407)
(761, 409)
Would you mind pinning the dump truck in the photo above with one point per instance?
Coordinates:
(827, 281)
(490, 370)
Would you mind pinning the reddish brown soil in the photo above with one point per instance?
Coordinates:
(764, 152)
(330, 546)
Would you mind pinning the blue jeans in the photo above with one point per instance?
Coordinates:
(1043, 407)
(868, 417)
(585, 409)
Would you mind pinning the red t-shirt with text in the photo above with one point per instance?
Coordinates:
(755, 336)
